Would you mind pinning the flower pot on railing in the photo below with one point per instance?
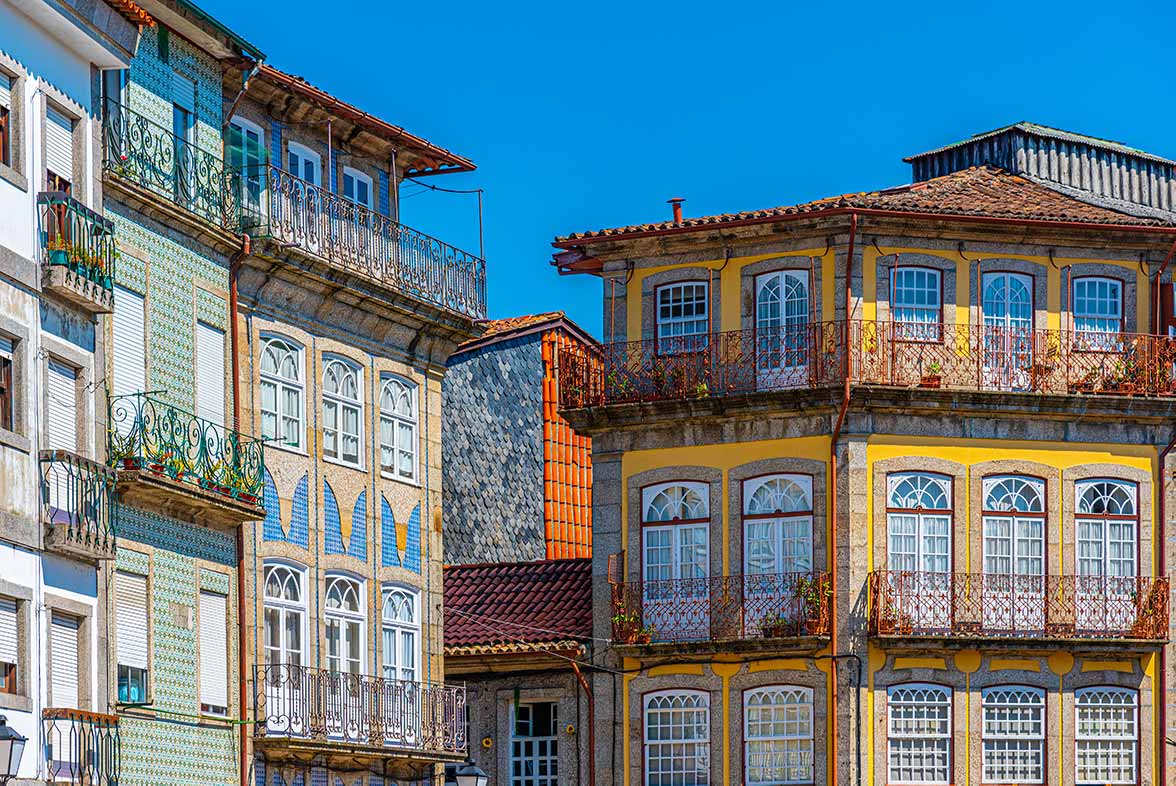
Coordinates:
(930, 381)
(1061, 630)
(58, 256)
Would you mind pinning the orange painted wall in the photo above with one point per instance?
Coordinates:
(567, 466)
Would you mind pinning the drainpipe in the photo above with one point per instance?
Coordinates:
(591, 719)
(235, 365)
(853, 222)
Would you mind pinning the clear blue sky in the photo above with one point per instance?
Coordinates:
(584, 115)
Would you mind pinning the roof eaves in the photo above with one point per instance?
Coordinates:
(212, 22)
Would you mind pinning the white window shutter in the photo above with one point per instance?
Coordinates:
(131, 619)
(210, 373)
(9, 650)
(59, 143)
(62, 394)
(130, 357)
(183, 92)
(63, 660)
(214, 649)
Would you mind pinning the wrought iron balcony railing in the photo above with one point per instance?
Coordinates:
(984, 605)
(74, 237)
(718, 608)
(145, 433)
(81, 747)
(302, 703)
(155, 158)
(76, 498)
(958, 357)
(274, 203)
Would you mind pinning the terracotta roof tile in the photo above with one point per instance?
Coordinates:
(517, 606)
(133, 12)
(496, 326)
(978, 191)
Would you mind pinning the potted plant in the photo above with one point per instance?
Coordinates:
(813, 592)
(701, 390)
(58, 251)
(644, 635)
(776, 626)
(619, 387)
(931, 377)
(1086, 384)
(626, 624)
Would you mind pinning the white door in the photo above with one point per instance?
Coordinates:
(675, 588)
(1107, 524)
(919, 535)
(210, 373)
(1013, 597)
(782, 328)
(1007, 306)
(778, 549)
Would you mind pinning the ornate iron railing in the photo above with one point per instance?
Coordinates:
(718, 608)
(76, 496)
(155, 158)
(274, 203)
(145, 433)
(299, 702)
(959, 357)
(1014, 606)
(81, 747)
(75, 237)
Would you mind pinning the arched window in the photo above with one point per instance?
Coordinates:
(919, 732)
(778, 524)
(281, 391)
(916, 303)
(1014, 734)
(675, 536)
(344, 624)
(677, 738)
(778, 735)
(398, 429)
(1106, 736)
(342, 411)
(1098, 306)
(1107, 519)
(401, 629)
(919, 521)
(1014, 525)
(285, 615)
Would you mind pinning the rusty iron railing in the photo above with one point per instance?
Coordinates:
(302, 703)
(956, 357)
(718, 608)
(81, 747)
(911, 603)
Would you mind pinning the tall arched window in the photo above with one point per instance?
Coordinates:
(1014, 552)
(676, 559)
(398, 429)
(1106, 738)
(1107, 518)
(781, 327)
(918, 522)
(342, 411)
(778, 735)
(281, 391)
(401, 633)
(919, 733)
(1014, 734)
(677, 738)
(285, 616)
(344, 624)
(778, 524)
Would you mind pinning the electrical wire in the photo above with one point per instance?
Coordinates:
(432, 187)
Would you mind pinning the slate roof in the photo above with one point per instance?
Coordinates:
(978, 191)
(1047, 132)
(517, 606)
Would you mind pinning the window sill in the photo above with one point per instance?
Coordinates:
(15, 178)
(345, 464)
(397, 479)
(11, 439)
(287, 449)
(15, 701)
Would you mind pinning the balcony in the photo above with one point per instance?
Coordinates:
(392, 727)
(75, 506)
(77, 252)
(81, 747)
(295, 213)
(990, 606)
(766, 607)
(171, 460)
(900, 355)
(151, 157)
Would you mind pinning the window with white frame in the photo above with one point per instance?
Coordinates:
(342, 411)
(1013, 734)
(1107, 518)
(918, 521)
(778, 524)
(1098, 305)
(304, 163)
(131, 636)
(677, 738)
(357, 186)
(344, 624)
(778, 735)
(916, 303)
(398, 429)
(1106, 735)
(401, 633)
(919, 733)
(285, 616)
(534, 744)
(676, 526)
(683, 319)
(282, 391)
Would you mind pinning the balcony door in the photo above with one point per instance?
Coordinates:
(299, 209)
(184, 139)
(676, 561)
(781, 328)
(778, 548)
(285, 615)
(246, 155)
(1107, 521)
(1013, 596)
(918, 520)
(1007, 307)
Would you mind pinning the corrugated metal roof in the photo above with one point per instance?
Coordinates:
(1048, 133)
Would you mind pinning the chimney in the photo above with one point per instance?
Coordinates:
(676, 205)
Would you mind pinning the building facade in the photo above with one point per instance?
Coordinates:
(56, 259)
(881, 480)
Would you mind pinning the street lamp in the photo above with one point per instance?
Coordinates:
(468, 774)
(12, 748)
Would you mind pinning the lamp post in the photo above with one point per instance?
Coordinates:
(12, 748)
(469, 774)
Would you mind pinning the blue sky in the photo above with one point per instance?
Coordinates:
(581, 115)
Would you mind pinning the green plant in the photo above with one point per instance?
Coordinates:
(934, 368)
(626, 617)
(813, 591)
(701, 390)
